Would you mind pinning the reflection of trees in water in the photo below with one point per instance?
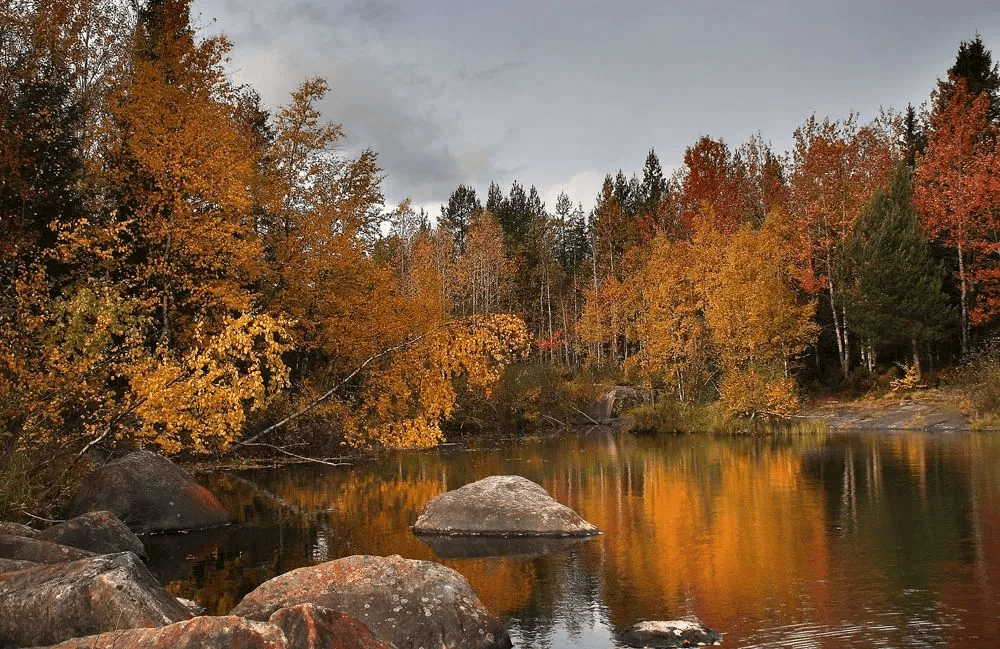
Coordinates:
(765, 529)
(902, 511)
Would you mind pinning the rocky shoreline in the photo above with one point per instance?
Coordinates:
(83, 583)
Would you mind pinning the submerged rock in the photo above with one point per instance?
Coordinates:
(47, 604)
(198, 633)
(675, 633)
(98, 532)
(308, 626)
(502, 505)
(471, 547)
(409, 603)
(148, 493)
(23, 548)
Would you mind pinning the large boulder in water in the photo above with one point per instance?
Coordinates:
(409, 603)
(22, 548)
(52, 603)
(675, 633)
(97, 532)
(149, 493)
(502, 505)
(198, 633)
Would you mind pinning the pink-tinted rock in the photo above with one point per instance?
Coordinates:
(198, 633)
(148, 493)
(52, 603)
(308, 626)
(97, 532)
(23, 548)
(408, 603)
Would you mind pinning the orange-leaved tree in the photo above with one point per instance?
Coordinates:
(836, 169)
(757, 322)
(956, 185)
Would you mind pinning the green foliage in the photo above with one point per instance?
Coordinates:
(892, 284)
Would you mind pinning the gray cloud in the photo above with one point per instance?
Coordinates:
(451, 91)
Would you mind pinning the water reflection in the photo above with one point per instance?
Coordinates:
(850, 540)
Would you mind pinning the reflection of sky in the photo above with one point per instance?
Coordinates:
(806, 541)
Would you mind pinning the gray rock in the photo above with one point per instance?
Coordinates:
(408, 603)
(503, 505)
(675, 633)
(10, 565)
(98, 532)
(198, 633)
(148, 493)
(307, 626)
(23, 548)
(52, 603)
(16, 529)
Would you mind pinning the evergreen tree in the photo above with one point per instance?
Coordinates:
(974, 63)
(457, 216)
(914, 137)
(494, 199)
(892, 289)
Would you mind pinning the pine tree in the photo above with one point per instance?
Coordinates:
(462, 207)
(974, 64)
(892, 288)
(914, 137)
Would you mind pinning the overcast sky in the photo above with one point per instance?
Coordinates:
(557, 94)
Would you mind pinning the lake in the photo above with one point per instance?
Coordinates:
(885, 539)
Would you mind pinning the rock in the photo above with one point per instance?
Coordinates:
(16, 529)
(502, 505)
(307, 626)
(23, 548)
(98, 532)
(52, 603)
(222, 632)
(149, 493)
(193, 607)
(675, 633)
(10, 565)
(408, 603)
(608, 407)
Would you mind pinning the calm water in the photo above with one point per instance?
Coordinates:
(840, 540)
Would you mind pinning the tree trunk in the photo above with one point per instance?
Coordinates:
(965, 307)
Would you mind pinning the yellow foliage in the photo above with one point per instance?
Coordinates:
(402, 404)
(199, 402)
(724, 303)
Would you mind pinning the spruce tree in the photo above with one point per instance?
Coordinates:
(457, 216)
(974, 63)
(892, 289)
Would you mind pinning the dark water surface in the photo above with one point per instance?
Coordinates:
(842, 540)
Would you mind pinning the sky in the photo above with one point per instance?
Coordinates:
(559, 93)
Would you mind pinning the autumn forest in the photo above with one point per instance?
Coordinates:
(184, 268)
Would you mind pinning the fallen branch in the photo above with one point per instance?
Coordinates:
(295, 455)
(591, 419)
(561, 423)
(329, 393)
